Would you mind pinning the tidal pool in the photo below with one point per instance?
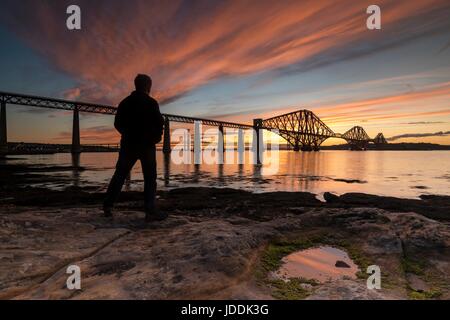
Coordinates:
(321, 264)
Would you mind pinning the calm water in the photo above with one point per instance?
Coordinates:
(317, 263)
(405, 174)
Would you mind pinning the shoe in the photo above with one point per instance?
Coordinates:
(155, 216)
(107, 212)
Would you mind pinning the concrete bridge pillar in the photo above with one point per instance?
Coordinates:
(221, 145)
(241, 146)
(187, 147)
(257, 140)
(166, 142)
(3, 130)
(76, 146)
(197, 142)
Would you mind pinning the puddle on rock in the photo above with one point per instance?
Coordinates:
(321, 264)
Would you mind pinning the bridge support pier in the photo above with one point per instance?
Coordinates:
(76, 146)
(241, 146)
(307, 148)
(3, 130)
(166, 142)
(197, 142)
(257, 140)
(221, 145)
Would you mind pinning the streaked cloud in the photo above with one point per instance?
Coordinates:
(381, 107)
(419, 135)
(435, 90)
(92, 135)
(424, 122)
(186, 44)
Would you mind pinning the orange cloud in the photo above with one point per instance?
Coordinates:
(342, 116)
(93, 135)
(441, 89)
(185, 44)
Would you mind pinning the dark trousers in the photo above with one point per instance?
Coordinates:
(128, 156)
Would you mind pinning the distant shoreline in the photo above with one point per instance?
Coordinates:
(48, 148)
(395, 147)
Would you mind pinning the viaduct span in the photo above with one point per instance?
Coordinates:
(302, 129)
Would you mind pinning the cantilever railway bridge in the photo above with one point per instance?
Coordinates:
(302, 129)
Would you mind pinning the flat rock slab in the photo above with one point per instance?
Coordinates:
(348, 290)
(181, 257)
(35, 244)
(194, 257)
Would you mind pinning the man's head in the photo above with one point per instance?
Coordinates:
(143, 83)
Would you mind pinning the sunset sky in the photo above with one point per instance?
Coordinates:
(232, 60)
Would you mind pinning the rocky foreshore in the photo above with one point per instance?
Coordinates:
(217, 244)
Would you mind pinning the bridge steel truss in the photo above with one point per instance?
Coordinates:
(380, 139)
(357, 138)
(302, 129)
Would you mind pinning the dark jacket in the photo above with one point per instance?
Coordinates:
(139, 120)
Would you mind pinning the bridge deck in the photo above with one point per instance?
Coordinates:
(60, 104)
(312, 125)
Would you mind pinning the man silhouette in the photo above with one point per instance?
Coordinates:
(140, 123)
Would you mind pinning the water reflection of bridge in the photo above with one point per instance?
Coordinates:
(302, 129)
(18, 148)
